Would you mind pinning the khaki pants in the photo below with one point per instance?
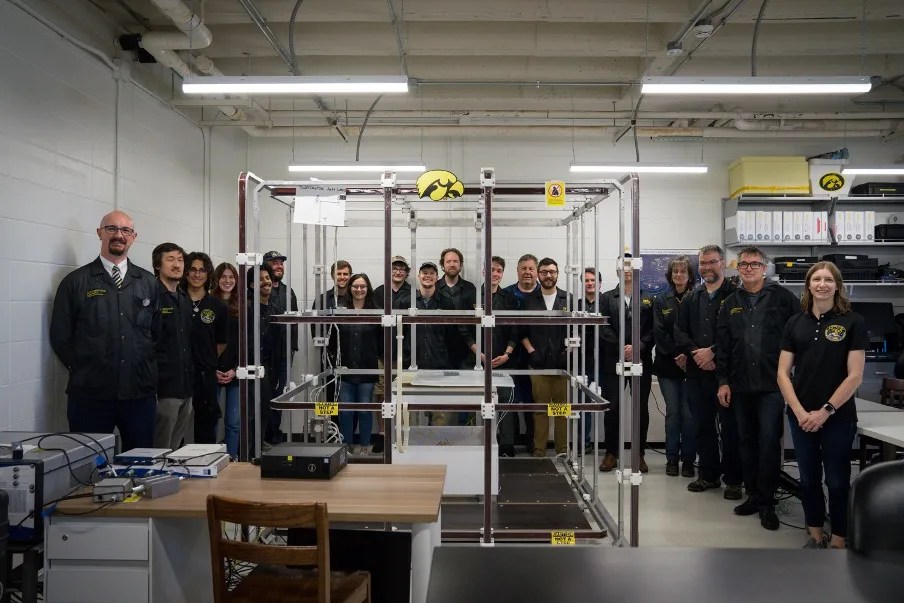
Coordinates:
(549, 389)
(171, 423)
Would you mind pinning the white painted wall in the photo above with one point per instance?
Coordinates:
(57, 177)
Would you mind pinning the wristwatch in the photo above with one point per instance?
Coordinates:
(829, 408)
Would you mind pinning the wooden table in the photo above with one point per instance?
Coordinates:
(157, 550)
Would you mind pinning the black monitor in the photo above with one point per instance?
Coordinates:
(879, 317)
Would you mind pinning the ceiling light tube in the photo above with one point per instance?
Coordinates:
(640, 168)
(755, 85)
(359, 167)
(879, 170)
(295, 85)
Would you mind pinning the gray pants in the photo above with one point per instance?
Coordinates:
(171, 422)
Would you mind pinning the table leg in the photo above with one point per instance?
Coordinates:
(889, 451)
(424, 538)
(31, 563)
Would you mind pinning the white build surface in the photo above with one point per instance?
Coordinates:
(460, 449)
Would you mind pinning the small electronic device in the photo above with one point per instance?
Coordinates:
(159, 485)
(195, 451)
(140, 456)
(112, 489)
(303, 461)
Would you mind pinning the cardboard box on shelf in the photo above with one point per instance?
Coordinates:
(770, 175)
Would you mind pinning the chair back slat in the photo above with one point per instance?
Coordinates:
(892, 392)
(261, 554)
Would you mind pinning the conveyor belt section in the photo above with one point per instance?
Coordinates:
(534, 500)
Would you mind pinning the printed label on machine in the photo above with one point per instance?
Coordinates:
(326, 409)
(558, 410)
(562, 537)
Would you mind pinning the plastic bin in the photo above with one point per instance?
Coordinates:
(826, 179)
(771, 175)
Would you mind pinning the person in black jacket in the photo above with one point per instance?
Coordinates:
(174, 354)
(271, 345)
(504, 342)
(209, 336)
(592, 347)
(610, 304)
(695, 337)
(225, 280)
(669, 366)
(457, 294)
(360, 345)
(335, 297)
(106, 319)
(430, 339)
(546, 349)
(748, 337)
(283, 299)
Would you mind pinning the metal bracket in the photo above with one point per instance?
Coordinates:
(250, 372)
(582, 379)
(488, 409)
(478, 312)
(572, 342)
(387, 320)
(630, 264)
(319, 269)
(249, 259)
(635, 478)
(389, 410)
(487, 176)
(488, 321)
(320, 342)
(629, 370)
(388, 180)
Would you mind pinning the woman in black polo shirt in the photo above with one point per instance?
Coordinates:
(825, 344)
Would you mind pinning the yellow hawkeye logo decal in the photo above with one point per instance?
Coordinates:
(439, 185)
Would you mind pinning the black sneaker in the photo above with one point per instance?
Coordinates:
(748, 507)
(733, 493)
(700, 484)
(589, 447)
(507, 451)
(671, 468)
(376, 441)
(768, 518)
(687, 469)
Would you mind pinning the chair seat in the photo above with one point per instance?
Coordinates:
(275, 584)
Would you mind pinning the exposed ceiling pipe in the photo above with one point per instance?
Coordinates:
(696, 133)
(192, 35)
(775, 125)
(695, 16)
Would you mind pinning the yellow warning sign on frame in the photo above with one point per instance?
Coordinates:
(558, 410)
(562, 537)
(326, 409)
(555, 193)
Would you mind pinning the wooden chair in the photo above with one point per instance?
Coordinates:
(278, 576)
(892, 392)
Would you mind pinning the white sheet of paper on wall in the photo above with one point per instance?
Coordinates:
(320, 205)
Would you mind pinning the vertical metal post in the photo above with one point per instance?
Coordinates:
(488, 431)
(303, 337)
(596, 348)
(620, 381)
(241, 291)
(258, 395)
(388, 357)
(482, 271)
(582, 357)
(414, 287)
(287, 282)
(636, 450)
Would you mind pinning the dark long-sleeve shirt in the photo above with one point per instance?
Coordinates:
(696, 324)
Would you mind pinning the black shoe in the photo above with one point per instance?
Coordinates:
(377, 442)
(700, 484)
(589, 447)
(768, 518)
(748, 507)
(687, 469)
(507, 451)
(671, 468)
(733, 493)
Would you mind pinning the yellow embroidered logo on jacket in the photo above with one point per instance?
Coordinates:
(735, 310)
(96, 293)
(207, 316)
(835, 333)
(666, 311)
(166, 311)
(646, 302)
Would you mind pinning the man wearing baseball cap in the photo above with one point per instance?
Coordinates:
(278, 299)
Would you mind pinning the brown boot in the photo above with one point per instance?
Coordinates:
(609, 462)
(643, 466)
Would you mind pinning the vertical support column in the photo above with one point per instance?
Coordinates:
(287, 281)
(412, 224)
(303, 337)
(258, 394)
(241, 291)
(488, 181)
(597, 416)
(619, 396)
(635, 338)
(388, 182)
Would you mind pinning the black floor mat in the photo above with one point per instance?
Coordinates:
(529, 489)
(527, 466)
(469, 516)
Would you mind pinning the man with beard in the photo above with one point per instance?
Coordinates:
(431, 338)
(695, 337)
(458, 294)
(335, 297)
(279, 299)
(106, 318)
(526, 285)
(545, 345)
(748, 335)
(174, 349)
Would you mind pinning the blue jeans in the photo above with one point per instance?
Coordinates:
(361, 393)
(679, 423)
(761, 422)
(707, 412)
(828, 448)
(134, 418)
(232, 419)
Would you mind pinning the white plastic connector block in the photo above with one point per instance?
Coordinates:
(320, 342)
(488, 321)
(388, 179)
(572, 342)
(633, 478)
(249, 259)
(582, 379)
(389, 410)
(630, 264)
(487, 176)
(488, 411)
(250, 372)
(387, 320)
(628, 370)
(412, 311)
(478, 312)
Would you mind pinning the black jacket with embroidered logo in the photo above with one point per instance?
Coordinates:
(175, 364)
(548, 339)
(463, 296)
(749, 338)
(665, 313)
(401, 300)
(431, 349)
(695, 326)
(610, 302)
(105, 335)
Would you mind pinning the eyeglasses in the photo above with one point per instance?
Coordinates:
(399, 269)
(548, 272)
(750, 265)
(125, 230)
(197, 270)
(710, 263)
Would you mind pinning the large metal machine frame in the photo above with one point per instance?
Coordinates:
(481, 200)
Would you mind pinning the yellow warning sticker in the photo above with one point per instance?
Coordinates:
(132, 498)
(555, 193)
(558, 410)
(326, 409)
(562, 537)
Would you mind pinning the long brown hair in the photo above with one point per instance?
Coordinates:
(840, 304)
(232, 304)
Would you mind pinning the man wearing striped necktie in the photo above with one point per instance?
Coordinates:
(105, 321)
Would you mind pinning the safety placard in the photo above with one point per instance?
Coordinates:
(562, 537)
(555, 193)
(326, 409)
(558, 410)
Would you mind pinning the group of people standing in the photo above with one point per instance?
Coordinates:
(147, 351)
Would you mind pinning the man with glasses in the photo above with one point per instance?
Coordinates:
(526, 285)
(695, 337)
(748, 337)
(105, 321)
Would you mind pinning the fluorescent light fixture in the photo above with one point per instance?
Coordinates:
(879, 170)
(755, 85)
(370, 168)
(301, 84)
(640, 168)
